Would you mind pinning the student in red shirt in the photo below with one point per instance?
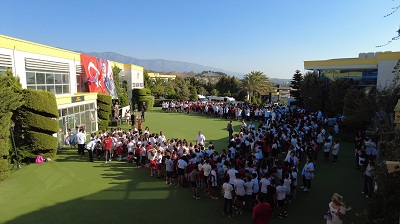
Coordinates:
(262, 211)
(107, 142)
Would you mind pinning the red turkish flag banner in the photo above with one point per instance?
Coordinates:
(93, 74)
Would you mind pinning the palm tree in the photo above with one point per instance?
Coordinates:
(255, 82)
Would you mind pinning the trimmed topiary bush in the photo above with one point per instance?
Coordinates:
(11, 100)
(148, 100)
(36, 124)
(41, 102)
(142, 95)
(104, 102)
(37, 121)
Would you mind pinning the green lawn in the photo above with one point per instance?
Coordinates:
(72, 190)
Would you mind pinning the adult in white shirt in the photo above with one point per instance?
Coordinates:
(281, 190)
(308, 174)
(169, 168)
(81, 140)
(227, 190)
(264, 182)
(161, 138)
(240, 192)
(327, 149)
(206, 169)
(90, 146)
(181, 170)
(335, 151)
(200, 139)
(232, 174)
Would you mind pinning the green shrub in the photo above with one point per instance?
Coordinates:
(141, 92)
(40, 101)
(42, 144)
(40, 122)
(103, 124)
(104, 102)
(4, 169)
(103, 115)
(104, 98)
(148, 100)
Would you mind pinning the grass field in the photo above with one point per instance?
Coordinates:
(72, 190)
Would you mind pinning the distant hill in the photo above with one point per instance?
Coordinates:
(161, 65)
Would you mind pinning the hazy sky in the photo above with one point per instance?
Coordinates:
(271, 36)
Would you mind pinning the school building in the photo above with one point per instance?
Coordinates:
(73, 77)
(367, 70)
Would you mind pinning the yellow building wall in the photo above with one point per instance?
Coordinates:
(26, 46)
(385, 56)
(62, 99)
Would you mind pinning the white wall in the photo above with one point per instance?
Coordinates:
(18, 60)
(385, 75)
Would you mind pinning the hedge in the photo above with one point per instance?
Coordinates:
(104, 98)
(148, 100)
(40, 101)
(4, 169)
(103, 115)
(141, 92)
(103, 124)
(41, 122)
(104, 102)
(104, 107)
(42, 144)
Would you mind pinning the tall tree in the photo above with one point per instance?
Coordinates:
(311, 90)
(10, 93)
(121, 92)
(295, 84)
(255, 82)
(227, 85)
(337, 91)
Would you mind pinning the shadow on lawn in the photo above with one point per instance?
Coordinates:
(132, 197)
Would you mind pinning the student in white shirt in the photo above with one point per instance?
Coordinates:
(200, 139)
(335, 151)
(281, 190)
(227, 190)
(240, 192)
(308, 173)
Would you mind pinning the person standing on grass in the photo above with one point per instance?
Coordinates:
(271, 196)
(262, 212)
(281, 190)
(107, 142)
(327, 148)
(338, 209)
(213, 182)
(193, 180)
(335, 151)
(200, 139)
(206, 174)
(369, 179)
(90, 146)
(239, 192)
(230, 130)
(227, 191)
(81, 140)
(158, 159)
(308, 173)
(138, 155)
(182, 164)
(169, 168)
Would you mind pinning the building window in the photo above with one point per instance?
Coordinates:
(81, 84)
(56, 82)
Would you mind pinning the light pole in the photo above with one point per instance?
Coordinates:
(13, 142)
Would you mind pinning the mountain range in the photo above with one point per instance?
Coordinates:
(161, 65)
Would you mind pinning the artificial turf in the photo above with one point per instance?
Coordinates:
(73, 190)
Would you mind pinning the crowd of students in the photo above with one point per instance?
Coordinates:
(259, 161)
